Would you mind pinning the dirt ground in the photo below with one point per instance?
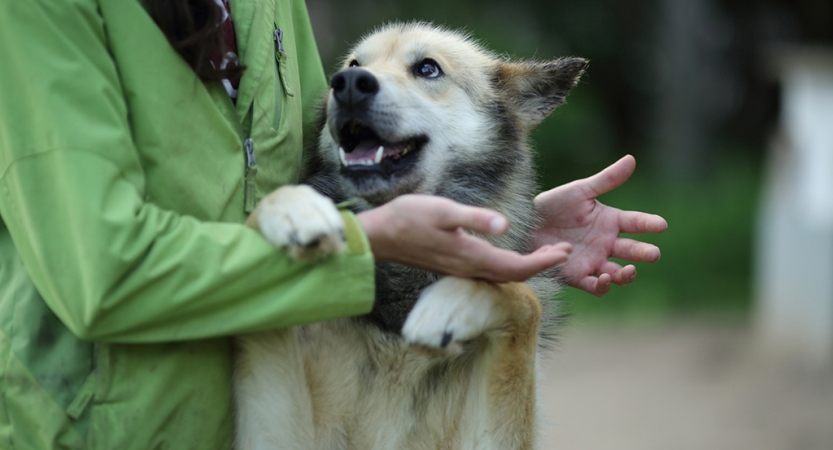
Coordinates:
(679, 387)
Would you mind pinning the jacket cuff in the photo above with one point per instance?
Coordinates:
(357, 243)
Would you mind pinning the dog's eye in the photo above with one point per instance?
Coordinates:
(427, 68)
(353, 63)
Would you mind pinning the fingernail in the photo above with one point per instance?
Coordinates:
(497, 225)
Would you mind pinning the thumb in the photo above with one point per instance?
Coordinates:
(612, 176)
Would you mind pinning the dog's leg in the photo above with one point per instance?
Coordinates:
(274, 410)
(513, 380)
(454, 310)
(273, 406)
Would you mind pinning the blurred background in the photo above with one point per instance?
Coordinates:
(727, 105)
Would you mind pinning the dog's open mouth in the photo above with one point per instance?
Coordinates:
(362, 149)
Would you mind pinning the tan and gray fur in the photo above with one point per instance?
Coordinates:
(440, 362)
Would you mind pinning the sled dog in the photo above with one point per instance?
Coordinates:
(440, 362)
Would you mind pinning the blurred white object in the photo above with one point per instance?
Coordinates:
(794, 282)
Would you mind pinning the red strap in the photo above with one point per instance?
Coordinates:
(230, 42)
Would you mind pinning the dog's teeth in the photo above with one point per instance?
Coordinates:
(379, 154)
(342, 156)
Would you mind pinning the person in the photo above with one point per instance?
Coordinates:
(124, 267)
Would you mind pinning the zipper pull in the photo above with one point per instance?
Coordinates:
(249, 147)
(279, 39)
(280, 57)
(250, 188)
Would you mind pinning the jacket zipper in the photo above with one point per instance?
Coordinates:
(280, 58)
(250, 187)
(250, 193)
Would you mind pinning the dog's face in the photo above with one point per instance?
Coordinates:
(412, 98)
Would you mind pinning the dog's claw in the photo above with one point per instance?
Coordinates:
(314, 242)
(446, 339)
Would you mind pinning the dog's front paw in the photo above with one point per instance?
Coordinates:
(451, 311)
(302, 221)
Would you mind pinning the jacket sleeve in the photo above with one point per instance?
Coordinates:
(111, 266)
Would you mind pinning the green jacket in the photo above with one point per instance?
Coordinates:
(123, 264)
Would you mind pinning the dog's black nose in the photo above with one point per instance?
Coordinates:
(354, 86)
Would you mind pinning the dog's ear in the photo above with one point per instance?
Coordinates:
(534, 89)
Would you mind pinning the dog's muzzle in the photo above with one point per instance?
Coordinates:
(368, 149)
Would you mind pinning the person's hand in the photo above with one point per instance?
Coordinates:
(572, 214)
(428, 232)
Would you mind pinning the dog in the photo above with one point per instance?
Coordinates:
(441, 362)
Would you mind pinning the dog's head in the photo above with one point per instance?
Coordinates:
(413, 98)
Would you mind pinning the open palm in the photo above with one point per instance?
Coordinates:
(571, 213)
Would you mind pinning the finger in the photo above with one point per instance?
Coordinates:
(610, 268)
(612, 176)
(566, 247)
(625, 276)
(537, 262)
(596, 286)
(510, 266)
(639, 222)
(635, 251)
(480, 220)
(475, 257)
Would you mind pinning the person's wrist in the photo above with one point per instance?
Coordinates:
(372, 222)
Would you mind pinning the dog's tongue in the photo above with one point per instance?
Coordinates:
(367, 151)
